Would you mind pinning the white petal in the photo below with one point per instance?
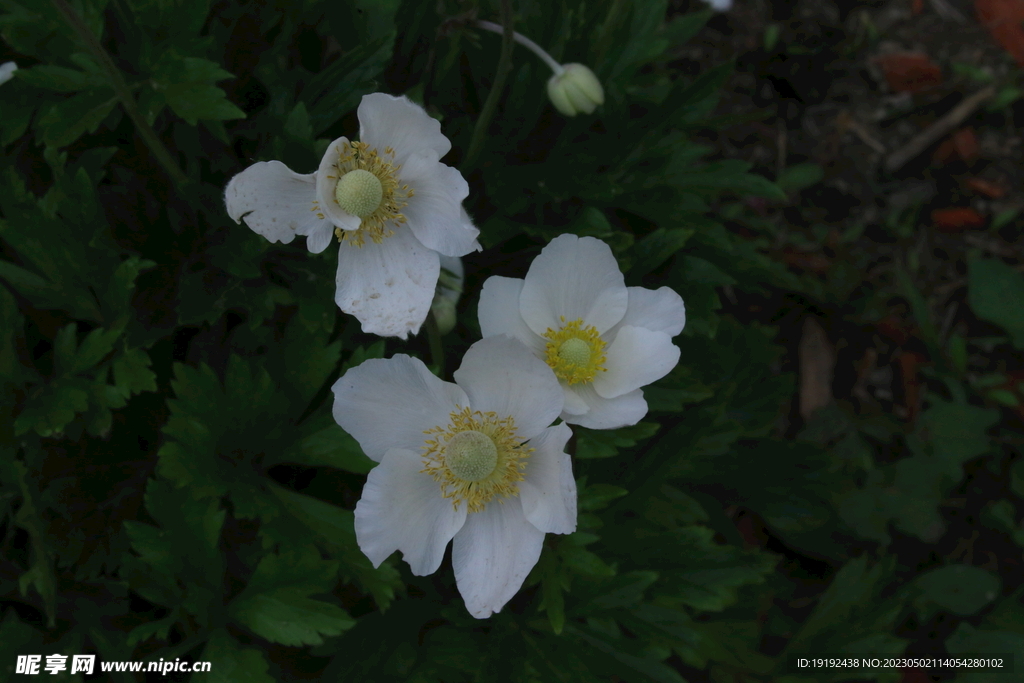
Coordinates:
(659, 310)
(467, 224)
(274, 201)
(388, 286)
(398, 123)
(574, 403)
(318, 239)
(608, 413)
(434, 212)
(492, 554)
(549, 490)
(403, 509)
(7, 70)
(326, 180)
(636, 358)
(573, 278)
(500, 374)
(498, 312)
(389, 403)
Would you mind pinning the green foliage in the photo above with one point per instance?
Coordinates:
(173, 483)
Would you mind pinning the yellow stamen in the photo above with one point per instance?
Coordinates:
(575, 352)
(476, 458)
(380, 222)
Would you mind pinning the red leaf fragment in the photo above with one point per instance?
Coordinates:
(909, 71)
(965, 144)
(916, 6)
(1003, 19)
(957, 219)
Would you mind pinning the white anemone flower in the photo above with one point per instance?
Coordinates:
(603, 340)
(474, 461)
(389, 201)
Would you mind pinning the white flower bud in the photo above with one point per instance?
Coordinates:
(7, 70)
(447, 294)
(574, 90)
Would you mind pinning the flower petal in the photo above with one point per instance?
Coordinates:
(434, 212)
(659, 310)
(402, 509)
(492, 554)
(574, 403)
(398, 123)
(274, 201)
(549, 490)
(636, 358)
(608, 413)
(326, 181)
(500, 374)
(387, 404)
(498, 312)
(318, 239)
(573, 278)
(388, 286)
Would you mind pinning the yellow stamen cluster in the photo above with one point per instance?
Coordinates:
(378, 224)
(575, 352)
(480, 487)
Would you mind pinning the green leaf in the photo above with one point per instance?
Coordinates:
(276, 603)
(336, 527)
(59, 78)
(52, 408)
(957, 432)
(186, 83)
(800, 177)
(606, 444)
(656, 248)
(994, 293)
(337, 89)
(132, 374)
(960, 589)
(969, 641)
(70, 119)
(230, 662)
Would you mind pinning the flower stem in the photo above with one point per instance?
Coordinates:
(436, 347)
(123, 92)
(526, 42)
(476, 143)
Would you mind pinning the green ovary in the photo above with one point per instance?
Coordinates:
(471, 456)
(359, 193)
(574, 351)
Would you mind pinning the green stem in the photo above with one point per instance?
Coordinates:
(123, 92)
(436, 347)
(476, 143)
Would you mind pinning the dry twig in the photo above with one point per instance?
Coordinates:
(945, 125)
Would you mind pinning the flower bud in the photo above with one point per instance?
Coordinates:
(574, 90)
(446, 296)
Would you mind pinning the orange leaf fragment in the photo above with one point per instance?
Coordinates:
(909, 71)
(1003, 20)
(988, 188)
(957, 219)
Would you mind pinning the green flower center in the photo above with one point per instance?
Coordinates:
(359, 192)
(471, 456)
(574, 351)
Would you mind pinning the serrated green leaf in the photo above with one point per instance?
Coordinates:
(132, 374)
(70, 119)
(230, 662)
(51, 409)
(59, 78)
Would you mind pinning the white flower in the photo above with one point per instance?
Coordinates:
(393, 206)
(603, 340)
(475, 461)
(720, 5)
(7, 70)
